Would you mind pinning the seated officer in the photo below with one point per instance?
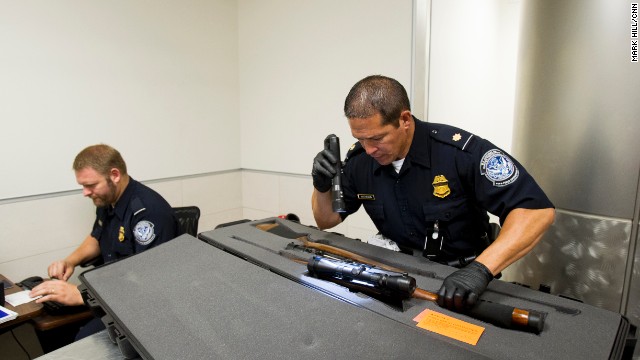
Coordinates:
(428, 187)
(130, 218)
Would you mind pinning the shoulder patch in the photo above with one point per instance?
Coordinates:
(144, 232)
(451, 135)
(498, 168)
(354, 150)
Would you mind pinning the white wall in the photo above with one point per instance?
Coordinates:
(472, 66)
(157, 80)
(298, 60)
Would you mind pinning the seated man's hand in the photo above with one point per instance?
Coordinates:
(323, 170)
(59, 291)
(461, 289)
(61, 270)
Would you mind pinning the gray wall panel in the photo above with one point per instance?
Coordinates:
(582, 256)
(577, 116)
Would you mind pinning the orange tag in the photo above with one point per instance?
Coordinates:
(449, 326)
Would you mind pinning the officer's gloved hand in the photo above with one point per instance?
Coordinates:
(461, 289)
(323, 170)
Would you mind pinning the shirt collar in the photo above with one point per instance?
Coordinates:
(123, 202)
(420, 145)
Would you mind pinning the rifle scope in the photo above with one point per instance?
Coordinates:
(399, 284)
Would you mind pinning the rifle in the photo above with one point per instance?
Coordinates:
(425, 294)
(391, 284)
(498, 314)
(494, 313)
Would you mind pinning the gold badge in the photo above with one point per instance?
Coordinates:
(441, 186)
(456, 137)
(121, 234)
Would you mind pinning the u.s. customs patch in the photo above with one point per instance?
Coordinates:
(498, 168)
(144, 232)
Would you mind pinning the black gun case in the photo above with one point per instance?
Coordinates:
(240, 292)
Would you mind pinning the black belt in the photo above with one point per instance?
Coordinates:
(433, 252)
(459, 262)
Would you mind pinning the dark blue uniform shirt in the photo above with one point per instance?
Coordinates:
(141, 219)
(448, 182)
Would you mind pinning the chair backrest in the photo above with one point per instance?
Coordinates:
(187, 218)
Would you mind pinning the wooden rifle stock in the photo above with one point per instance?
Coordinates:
(498, 314)
(346, 254)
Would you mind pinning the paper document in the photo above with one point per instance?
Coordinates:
(20, 298)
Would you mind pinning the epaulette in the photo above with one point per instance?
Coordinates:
(451, 135)
(354, 150)
(137, 206)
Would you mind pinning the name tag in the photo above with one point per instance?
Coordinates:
(366, 197)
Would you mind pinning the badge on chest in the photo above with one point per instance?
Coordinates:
(441, 186)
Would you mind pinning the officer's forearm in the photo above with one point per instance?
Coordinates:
(322, 210)
(520, 233)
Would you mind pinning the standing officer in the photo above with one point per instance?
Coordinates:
(130, 218)
(428, 187)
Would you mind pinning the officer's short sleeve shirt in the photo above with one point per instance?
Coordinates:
(448, 182)
(140, 220)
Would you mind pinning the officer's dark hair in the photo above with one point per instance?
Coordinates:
(102, 158)
(377, 94)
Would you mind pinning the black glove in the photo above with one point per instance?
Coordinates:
(460, 290)
(323, 170)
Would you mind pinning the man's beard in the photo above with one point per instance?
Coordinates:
(109, 198)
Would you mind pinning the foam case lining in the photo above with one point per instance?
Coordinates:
(236, 293)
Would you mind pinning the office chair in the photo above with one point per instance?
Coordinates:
(493, 233)
(187, 218)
